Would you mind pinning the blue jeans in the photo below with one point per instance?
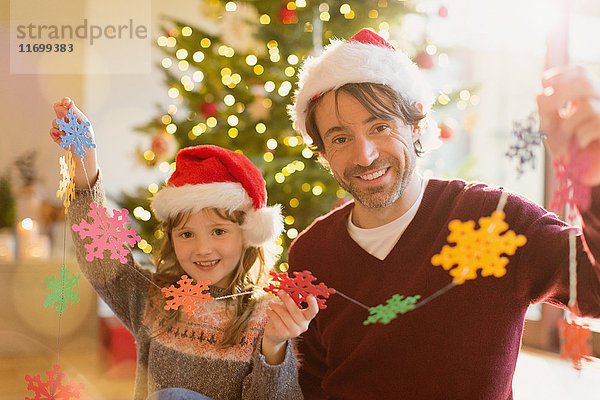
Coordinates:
(177, 394)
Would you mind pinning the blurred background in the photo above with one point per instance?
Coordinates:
(223, 73)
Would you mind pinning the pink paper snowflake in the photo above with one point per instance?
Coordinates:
(570, 191)
(107, 233)
(53, 388)
(187, 295)
(299, 287)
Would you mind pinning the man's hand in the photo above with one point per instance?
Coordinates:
(569, 110)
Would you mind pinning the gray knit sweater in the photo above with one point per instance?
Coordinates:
(187, 353)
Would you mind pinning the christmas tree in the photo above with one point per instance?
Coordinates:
(231, 84)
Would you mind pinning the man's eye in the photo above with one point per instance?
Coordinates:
(339, 140)
(382, 128)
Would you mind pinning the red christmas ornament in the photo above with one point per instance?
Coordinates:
(424, 60)
(446, 132)
(163, 146)
(159, 144)
(287, 16)
(443, 11)
(208, 110)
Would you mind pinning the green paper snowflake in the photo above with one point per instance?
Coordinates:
(397, 304)
(63, 290)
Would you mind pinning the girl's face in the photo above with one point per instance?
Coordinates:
(208, 247)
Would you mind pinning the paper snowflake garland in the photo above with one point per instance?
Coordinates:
(107, 233)
(55, 387)
(299, 287)
(527, 138)
(570, 192)
(75, 133)
(187, 295)
(478, 249)
(385, 313)
(63, 290)
(575, 342)
(66, 186)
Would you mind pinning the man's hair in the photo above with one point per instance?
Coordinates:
(380, 100)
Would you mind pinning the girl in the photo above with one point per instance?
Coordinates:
(216, 228)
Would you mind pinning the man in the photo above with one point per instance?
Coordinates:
(365, 108)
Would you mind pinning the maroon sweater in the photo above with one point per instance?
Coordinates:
(463, 344)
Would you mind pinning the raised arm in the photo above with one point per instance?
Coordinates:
(89, 159)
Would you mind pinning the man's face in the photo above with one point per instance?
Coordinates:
(371, 158)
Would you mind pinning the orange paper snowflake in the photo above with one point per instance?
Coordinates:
(187, 295)
(66, 186)
(478, 249)
(575, 342)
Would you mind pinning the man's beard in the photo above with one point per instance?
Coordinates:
(380, 196)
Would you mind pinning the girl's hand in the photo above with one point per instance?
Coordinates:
(287, 321)
(569, 112)
(91, 167)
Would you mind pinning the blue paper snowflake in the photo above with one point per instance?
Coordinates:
(75, 133)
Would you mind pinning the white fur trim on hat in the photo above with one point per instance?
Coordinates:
(171, 200)
(263, 225)
(355, 62)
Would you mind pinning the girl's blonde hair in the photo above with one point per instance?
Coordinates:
(250, 273)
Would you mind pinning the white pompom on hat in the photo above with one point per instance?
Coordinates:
(366, 57)
(214, 177)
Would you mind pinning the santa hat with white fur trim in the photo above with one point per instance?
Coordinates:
(366, 57)
(213, 177)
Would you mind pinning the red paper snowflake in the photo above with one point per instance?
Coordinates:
(107, 233)
(186, 295)
(53, 388)
(575, 342)
(478, 249)
(299, 287)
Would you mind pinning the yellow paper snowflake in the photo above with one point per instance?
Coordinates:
(478, 248)
(66, 186)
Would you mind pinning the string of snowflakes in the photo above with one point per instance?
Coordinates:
(570, 196)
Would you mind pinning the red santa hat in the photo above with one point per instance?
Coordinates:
(366, 57)
(214, 177)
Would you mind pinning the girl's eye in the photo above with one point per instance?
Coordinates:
(186, 235)
(219, 232)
